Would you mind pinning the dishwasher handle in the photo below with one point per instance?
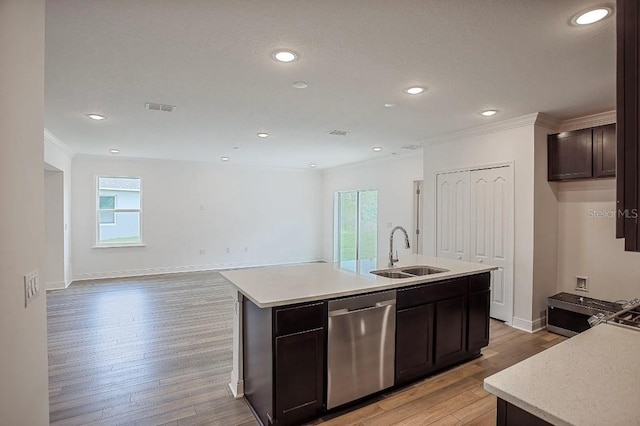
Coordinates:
(383, 304)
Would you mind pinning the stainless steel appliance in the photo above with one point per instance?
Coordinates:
(628, 317)
(360, 346)
(568, 314)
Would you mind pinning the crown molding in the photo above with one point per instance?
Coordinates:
(593, 120)
(53, 139)
(513, 123)
(548, 121)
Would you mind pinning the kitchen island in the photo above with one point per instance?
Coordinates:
(287, 361)
(589, 379)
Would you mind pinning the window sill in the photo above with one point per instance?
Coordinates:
(107, 246)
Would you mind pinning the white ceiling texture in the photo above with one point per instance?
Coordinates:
(212, 60)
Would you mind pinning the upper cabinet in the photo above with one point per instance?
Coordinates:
(582, 154)
(628, 98)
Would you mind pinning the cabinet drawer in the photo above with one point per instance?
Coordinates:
(480, 282)
(426, 293)
(293, 319)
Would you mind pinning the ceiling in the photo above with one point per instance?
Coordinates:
(212, 59)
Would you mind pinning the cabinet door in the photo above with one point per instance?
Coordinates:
(299, 378)
(604, 151)
(570, 155)
(478, 327)
(414, 342)
(450, 330)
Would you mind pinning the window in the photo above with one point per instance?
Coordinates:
(357, 225)
(107, 209)
(119, 211)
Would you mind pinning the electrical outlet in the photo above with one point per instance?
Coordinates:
(203, 252)
(31, 286)
(582, 284)
(246, 249)
(228, 250)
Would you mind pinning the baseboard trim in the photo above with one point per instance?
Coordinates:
(56, 285)
(529, 326)
(237, 388)
(181, 269)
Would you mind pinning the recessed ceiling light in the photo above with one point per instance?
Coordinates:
(300, 84)
(97, 117)
(236, 147)
(489, 112)
(263, 135)
(591, 16)
(284, 56)
(114, 150)
(377, 148)
(313, 165)
(224, 158)
(390, 105)
(414, 90)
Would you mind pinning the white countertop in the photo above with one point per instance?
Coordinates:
(285, 285)
(589, 379)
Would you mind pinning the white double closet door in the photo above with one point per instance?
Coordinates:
(474, 222)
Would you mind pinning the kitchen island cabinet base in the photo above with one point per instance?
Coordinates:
(510, 415)
(438, 326)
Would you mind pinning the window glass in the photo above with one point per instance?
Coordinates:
(119, 211)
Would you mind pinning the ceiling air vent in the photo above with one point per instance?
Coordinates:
(337, 133)
(159, 107)
(412, 147)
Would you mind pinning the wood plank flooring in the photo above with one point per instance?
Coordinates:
(157, 351)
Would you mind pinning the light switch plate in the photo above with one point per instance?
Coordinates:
(31, 286)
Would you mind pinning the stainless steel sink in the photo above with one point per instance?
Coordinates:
(422, 270)
(409, 271)
(392, 274)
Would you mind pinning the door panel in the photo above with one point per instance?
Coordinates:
(491, 231)
(452, 219)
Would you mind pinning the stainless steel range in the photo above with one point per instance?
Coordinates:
(568, 314)
(629, 316)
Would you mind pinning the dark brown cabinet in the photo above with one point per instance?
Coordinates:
(479, 305)
(604, 151)
(440, 324)
(582, 154)
(284, 361)
(451, 330)
(299, 378)
(414, 342)
(628, 100)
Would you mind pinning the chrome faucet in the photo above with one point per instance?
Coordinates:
(406, 243)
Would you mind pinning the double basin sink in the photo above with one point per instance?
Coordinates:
(409, 272)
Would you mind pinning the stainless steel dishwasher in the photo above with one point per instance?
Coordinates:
(360, 346)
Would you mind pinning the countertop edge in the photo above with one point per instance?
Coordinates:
(391, 285)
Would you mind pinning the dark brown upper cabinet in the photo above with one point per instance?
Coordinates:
(582, 154)
(628, 98)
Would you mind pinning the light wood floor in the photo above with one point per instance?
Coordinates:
(157, 351)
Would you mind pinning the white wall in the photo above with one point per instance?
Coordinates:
(24, 398)
(187, 206)
(545, 249)
(587, 245)
(393, 178)
(513, 142)
(59, 156)
(54, 262)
